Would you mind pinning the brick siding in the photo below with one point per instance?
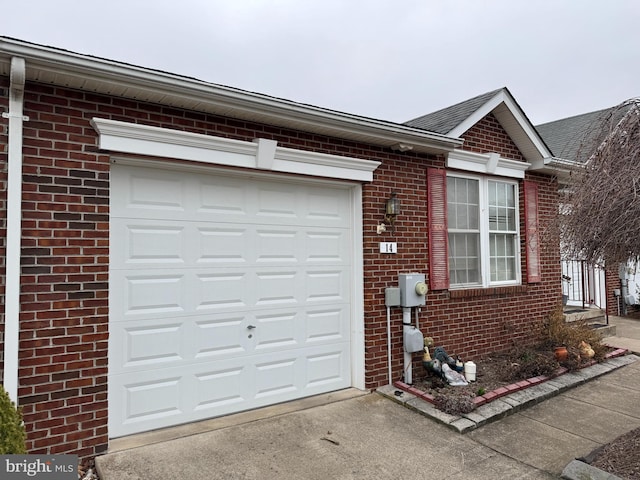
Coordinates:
(488, 136)
(65, 253)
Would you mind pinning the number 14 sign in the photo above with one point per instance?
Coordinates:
(388, 247)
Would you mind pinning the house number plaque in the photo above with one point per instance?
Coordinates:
(388, 247)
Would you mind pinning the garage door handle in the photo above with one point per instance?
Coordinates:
(250, 327)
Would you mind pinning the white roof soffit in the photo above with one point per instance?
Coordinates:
(60, 67)
(515, 123)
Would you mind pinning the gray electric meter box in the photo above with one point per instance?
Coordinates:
(413, 340)
(412, 289)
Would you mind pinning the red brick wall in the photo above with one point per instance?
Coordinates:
(64, 283)
(64, 316)
(488, 136)
(612, 281)
(470, 323)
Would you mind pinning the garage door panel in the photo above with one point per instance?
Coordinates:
(277, 331)
(325, 369)
(148, 344)
(220, 337)
(323, 207)
(277, 287)
(225, 294)
(276, 378)
(278, 245)
(144, 193)
(153, 400)
(221, 245)
(326, 285)
(154, 293)
(275, 203)
(220, 388)
(152, 344)
(327, 325)
(156, 399)
(160, 244)
(224, 290)
(156, 192)
(150, 293)
(220, 198)
(153, 244)
(326, 247)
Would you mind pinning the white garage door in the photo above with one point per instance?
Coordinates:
(226, 293)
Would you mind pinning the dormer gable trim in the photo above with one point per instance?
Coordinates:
(514, 121)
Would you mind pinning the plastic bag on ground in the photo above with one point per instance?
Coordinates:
(454, 378)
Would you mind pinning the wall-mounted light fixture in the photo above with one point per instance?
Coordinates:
(391, 210)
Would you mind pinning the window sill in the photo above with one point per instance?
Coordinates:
(488, 292)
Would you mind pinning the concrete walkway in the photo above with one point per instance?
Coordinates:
(627, 333)
(350, 435)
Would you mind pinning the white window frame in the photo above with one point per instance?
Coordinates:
(485, 253)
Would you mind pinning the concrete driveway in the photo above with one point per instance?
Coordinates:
(364, 437)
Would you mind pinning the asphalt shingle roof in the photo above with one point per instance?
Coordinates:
(445, 120)
(576, 138)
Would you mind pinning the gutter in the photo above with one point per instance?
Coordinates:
(61, 67)
(560, 167)
(14, 226)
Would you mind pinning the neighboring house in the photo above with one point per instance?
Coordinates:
(177, 250)
(573, 141)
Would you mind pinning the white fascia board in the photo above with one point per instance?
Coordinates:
(91, 71)
(131, 138)
(489, 106)
(478, 115)
(490, 164)
(527, 127)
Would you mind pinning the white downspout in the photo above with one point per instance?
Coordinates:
(14, 227)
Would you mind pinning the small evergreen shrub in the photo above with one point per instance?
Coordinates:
(12, 432)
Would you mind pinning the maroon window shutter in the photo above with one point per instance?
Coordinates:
(438, 234)
(532, 234)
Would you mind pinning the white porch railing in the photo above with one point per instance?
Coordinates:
(583, 284)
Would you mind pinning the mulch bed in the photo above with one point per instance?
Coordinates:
(620, 457)
(87, 470)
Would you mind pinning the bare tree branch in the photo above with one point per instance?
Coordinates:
(602, 221)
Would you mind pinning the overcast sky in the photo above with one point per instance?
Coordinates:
(386, 59)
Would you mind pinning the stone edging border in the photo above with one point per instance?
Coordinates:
(509, 399)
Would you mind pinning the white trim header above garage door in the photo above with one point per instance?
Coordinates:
(262, 154)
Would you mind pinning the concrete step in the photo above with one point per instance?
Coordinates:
(594, 317)
(575, 314)
(603, 329)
